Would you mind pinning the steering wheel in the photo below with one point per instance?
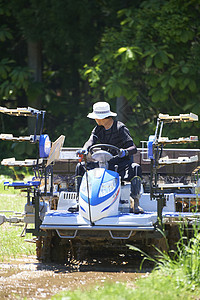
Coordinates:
(108, 146)
(103, 156)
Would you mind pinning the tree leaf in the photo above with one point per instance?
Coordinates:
(158, 61)
(148, 62)
(156, 96)
(192, 85)
(185, 36)
(152, 91)
(164, 83)
(153, 81)
(172, 82)
(88, 71)
(174, 70)
(185, 69)
(164, 57)
(121, 50)
(186, 81)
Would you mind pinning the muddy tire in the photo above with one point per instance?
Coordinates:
(43, 248)
(60, 250)
(52, 248)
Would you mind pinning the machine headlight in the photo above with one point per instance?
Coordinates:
(107, 187)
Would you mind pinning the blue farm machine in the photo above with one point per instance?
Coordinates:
(103, 219)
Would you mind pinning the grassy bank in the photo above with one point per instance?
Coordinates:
(155, 287)
(11, 244)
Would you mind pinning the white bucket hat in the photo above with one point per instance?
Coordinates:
(101, 110)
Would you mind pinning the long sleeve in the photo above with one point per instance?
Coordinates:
(132, 149)
(128, 143)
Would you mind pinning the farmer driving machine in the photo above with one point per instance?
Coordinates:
(65, 224)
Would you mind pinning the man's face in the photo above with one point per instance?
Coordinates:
(100, 122)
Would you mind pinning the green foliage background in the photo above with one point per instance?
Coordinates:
(145, 51)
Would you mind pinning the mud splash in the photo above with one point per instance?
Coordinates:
(28, 278)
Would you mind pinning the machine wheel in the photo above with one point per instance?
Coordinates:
(59, 252)
(43, 246)
(53, 249)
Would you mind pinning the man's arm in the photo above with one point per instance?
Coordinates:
(128, 143)
(131, 149)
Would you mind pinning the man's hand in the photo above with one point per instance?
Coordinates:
(81, 152)
(123, 153)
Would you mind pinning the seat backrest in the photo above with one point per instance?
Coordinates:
(67, 200)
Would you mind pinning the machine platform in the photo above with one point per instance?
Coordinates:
(63, 220)
(21, 163)
(180, 118)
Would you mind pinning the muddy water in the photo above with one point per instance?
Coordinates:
(27, 278)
